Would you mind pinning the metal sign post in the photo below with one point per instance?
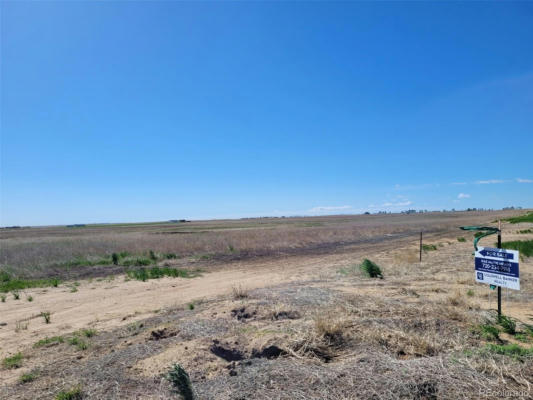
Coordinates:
(496, 267)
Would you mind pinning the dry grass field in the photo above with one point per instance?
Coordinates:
(272, 308)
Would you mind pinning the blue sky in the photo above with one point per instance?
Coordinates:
(140, 111)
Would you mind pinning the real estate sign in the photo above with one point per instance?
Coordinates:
(498, 267)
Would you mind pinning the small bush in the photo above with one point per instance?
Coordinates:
(46, 316)
(181, 383)
(191, 306)
(429, 247)
(153, 256)
(461, 239)
(169, 256)
(470, 293)
(526, 231)
(16, 295)
(73, 394)
(371, 269)
(29, 298)
(114, 258)
(3, 298)
(508, 325)
(12, 362)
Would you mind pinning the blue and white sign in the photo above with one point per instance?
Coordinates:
(497, 267)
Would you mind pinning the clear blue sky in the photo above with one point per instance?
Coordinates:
(139, 111)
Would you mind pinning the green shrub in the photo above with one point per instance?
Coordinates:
(429, 247)
(73, 394)
(469, 292)
(371, 269)
(16, 295)
(170, 256)
(153, 256)
(526, 231)
(114, 258)
(508, 325)
(12, 362)
(179, 378)
(191, 306)
(461, 239)
(3, 297)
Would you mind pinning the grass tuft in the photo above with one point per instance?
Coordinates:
(461, 239)
(143, 274)
(75, 393)
(49, 341)
(429, 247)
(12, 362)
(29, 376)
(508, 324)
(46, 316)
(239, 292)
(512, 350)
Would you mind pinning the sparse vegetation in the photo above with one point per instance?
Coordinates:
(78, 342)
(143, 274)
(191, 306)
(371, 269)
(512, 350)
(9, 283)
(179, 378)
(508, 324)
(461, 239)
(3, 298)
(470, 293)
(239, 292)
(49, 341)
(15, 361)
(29, 298)
(46, 316)
(525, 247)
(524, 231)
(29, 376)
(16, 295)
(88, 332)
(429, 247)
(75, 393)
(528, 217)
(21, 326)
(489, 332)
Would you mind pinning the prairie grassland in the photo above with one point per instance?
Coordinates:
(47, 251)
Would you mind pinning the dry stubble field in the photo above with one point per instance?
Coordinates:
(265, 309)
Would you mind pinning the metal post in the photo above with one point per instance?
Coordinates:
(499, 287)
(420, 246)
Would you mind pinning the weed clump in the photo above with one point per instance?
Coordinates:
(12, 362)
(46, 316)
(525, 247)
(429, 247)
(143, 274)
(179, 378)
(49, 341)
(79, 343)
(512, 350)
(371, 269)
(461, 239)
(239, 292)
(508, 324)
(29, 376)
(75, 393)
